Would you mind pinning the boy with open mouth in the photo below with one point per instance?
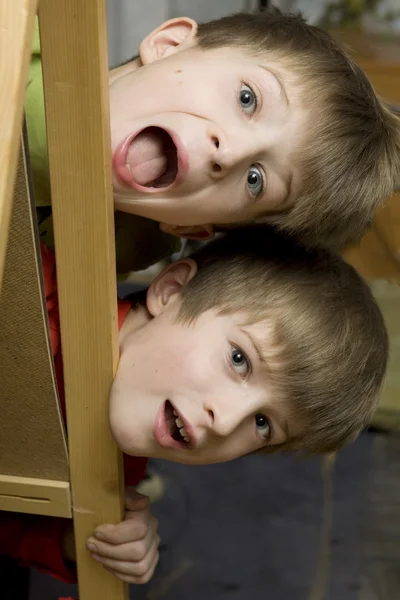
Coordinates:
(254, 344)
(251, 118)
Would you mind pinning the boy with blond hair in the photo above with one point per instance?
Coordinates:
(253, 344)
(250, 118)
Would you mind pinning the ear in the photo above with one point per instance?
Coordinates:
(169, 284)
(193, 232)
(170, 37)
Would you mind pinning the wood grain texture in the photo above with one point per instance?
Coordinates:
(74, 54)
(35, 496)
(16, 33)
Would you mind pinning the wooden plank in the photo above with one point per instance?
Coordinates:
(16, 27)
(74, 54)
(35, 496)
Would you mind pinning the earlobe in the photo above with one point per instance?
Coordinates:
(194, 232)
(169, 284)
(170, 37)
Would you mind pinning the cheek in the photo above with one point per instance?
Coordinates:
(158, 364)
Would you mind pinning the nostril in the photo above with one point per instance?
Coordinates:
(216, 168)
(215, 141)
(211, 415)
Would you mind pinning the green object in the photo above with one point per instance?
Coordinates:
(387, 296)
(139, 242)
(343, 13)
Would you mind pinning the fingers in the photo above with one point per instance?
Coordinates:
(129, 550)
(137, 579)
(134, 527)
(133, 572)
(134, 549)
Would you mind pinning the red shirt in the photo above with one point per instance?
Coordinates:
(35, 540)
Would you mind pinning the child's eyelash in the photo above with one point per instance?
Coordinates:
(245, 375)
(256, 98)
(254, 94)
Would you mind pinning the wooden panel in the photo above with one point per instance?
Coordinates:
(381, 51)
(385, 78)
(28, 394)
(16, 27)
(35, 496)
(74, 54)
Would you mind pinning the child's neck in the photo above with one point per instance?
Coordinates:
(137, 317)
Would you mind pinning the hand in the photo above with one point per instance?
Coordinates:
(129, 550)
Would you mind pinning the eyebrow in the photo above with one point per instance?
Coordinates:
(282, 88)
(289, 179)
(281, 421)
(256, 348)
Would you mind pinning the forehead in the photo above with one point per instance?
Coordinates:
(262, 333)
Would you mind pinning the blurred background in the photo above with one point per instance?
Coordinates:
(130, 21)
(252, 529)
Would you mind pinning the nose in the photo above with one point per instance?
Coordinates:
(224, 418)
(223, 157)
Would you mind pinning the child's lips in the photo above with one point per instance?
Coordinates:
(162, 433)
(125, 175)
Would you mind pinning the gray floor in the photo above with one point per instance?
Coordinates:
(251, 529)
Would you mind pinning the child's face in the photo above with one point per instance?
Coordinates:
(202, 137)
(209, 373)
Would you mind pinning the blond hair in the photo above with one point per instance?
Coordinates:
(326, 345)
(349, 159)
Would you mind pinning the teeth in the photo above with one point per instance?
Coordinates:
(182, 430)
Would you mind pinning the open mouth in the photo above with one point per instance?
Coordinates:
(171, 430)
(175, 425)
(152, 159)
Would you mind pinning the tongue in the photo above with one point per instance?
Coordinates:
(146, 157)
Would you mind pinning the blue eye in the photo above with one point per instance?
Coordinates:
(263, 426)
(240, 361)
(255, 181)
(247, 99)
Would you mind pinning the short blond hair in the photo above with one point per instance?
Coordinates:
(350, 156)
(326, 343)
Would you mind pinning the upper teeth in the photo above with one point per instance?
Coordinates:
(182, 430)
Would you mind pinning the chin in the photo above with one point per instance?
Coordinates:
(124, 438)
